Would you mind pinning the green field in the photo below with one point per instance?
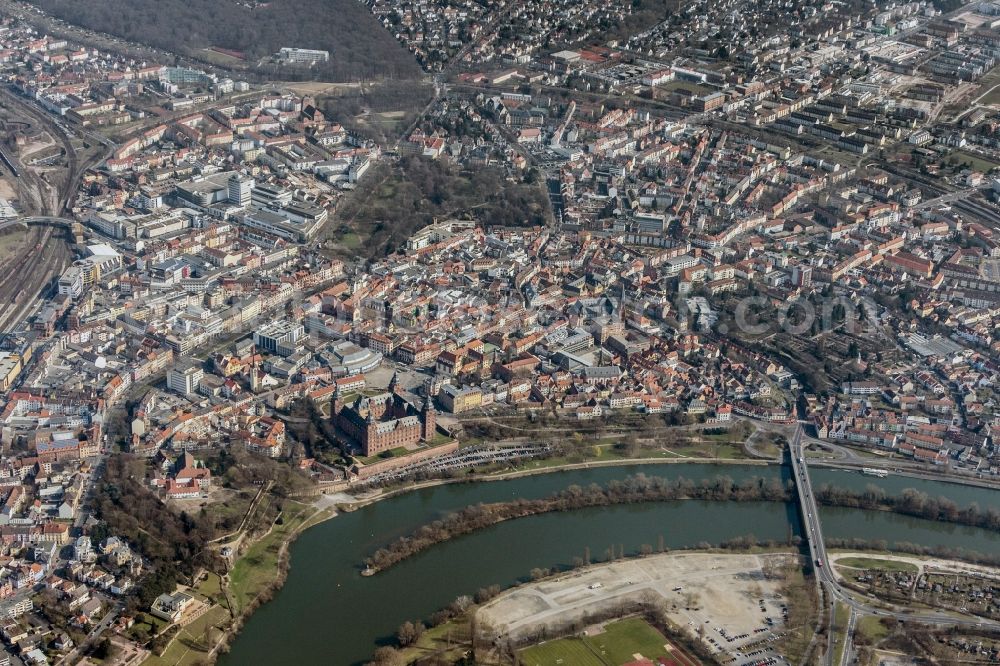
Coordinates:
(622, 640)
(976, 162)
(385, 455)
(677, 84)
(350, 240)
(211, 588)
(873, 563)
(872, 628)
(258, 568)
(563, 652)
(223, 59)
(618, 644)
(450, 641)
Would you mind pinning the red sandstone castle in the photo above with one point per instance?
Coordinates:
(385, 421)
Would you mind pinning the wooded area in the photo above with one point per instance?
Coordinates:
(911, 502)
(176, 544)
(397, 200)
(360, 48)
(378, 111)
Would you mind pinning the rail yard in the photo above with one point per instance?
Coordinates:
(45, 255)
(45, 188)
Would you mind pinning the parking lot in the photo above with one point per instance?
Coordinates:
(754, 646)
(737, 638)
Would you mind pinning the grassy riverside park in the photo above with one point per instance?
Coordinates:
(259, 568)
(188, 647)
(251, 576)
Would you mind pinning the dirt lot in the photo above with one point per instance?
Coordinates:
(318, 87)
(26, 152)
(722, 592)
(11, 242)
(7, 191)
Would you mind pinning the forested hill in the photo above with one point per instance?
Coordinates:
(360, 48)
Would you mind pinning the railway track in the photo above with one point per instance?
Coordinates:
(30, 272)
(43, 255)
(981, 211)
(53, 196)
(37, 275)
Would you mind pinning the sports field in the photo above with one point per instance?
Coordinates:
(621, 642)
(563, 652)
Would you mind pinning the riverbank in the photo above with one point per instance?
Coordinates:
(316, 622)
(418, 541)
(926, 475)
(252, 581)
(721, 585)
(381, 494)
(642, 489)
(393, 491)
(367, 527)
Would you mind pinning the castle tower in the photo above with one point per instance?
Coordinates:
(370, 434)
(428, 421)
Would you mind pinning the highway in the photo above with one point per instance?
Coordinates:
(825, 578)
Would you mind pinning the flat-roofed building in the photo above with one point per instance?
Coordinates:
(303, 56)
(279, 337)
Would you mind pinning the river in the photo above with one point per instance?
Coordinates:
(328, 614)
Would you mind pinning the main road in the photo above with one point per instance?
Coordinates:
(824, 572)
